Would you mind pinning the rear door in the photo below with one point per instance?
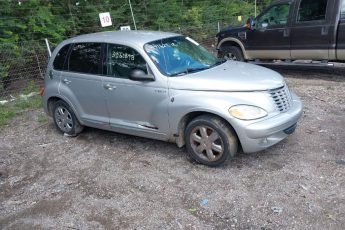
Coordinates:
(271, 37)
(59, 65)
(341, 34)
(81, 84)
(312, 32)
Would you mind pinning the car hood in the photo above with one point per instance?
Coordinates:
(231, 30)
(229, 76)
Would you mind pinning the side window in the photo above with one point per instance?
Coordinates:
(85, 58)
(121, 60)
(312, 10)
(277, 15)
(343, 10)
(60, 58)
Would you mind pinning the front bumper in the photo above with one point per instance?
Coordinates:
(263, 134)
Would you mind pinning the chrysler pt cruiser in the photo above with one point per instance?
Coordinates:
(168, 87)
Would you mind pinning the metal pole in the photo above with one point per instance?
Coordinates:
(130, 5)
(255, 8)
(47, 44)
(39, 65)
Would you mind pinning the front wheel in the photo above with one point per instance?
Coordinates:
(65, 119)
(210, 141)
(232, 53)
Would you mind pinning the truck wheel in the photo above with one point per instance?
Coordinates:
(233, 53)
(210, 141)
(65, 119)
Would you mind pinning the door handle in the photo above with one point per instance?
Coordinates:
(286, 32)
(324, 30)
(66, 81)
(109, 87)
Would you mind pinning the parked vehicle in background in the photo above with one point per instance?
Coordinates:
(167, 87)
(289, 30)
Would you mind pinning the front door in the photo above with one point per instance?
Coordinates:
(270, 39)
(135, 107)
(312, 30)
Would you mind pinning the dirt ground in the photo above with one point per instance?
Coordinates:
(104, 180)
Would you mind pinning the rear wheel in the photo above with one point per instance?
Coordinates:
(233, 53)
(210, 141)
(65, 119)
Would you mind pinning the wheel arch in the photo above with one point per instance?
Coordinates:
(231, 41)
(184, 121)
(50, 105)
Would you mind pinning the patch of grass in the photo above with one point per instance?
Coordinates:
(21, 104)
(34, 102)
(6, 113)
(11, 109)
(31, 87)
(42, 118)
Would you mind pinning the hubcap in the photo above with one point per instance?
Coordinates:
(230, 56)
(63, 119)
(206, 143)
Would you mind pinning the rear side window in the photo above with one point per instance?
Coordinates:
(85, 58)
(343, 10)
(312, 10)
(60, 58)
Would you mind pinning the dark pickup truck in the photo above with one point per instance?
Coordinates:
(289, 30)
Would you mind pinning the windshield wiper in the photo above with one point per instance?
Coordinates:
(190, 70)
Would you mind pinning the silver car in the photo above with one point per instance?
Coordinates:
(166, 86)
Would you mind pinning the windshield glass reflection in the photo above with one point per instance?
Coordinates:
(179, 56)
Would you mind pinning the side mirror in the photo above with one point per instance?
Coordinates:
(140, 75)
(250, 23)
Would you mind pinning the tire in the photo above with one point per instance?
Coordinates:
(233, 53)
(210, 141)
(65, 120)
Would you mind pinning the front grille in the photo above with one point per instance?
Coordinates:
(281, 98)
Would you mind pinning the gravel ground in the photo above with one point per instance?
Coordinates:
(104, 180)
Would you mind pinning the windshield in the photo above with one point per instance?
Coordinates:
(179, 55)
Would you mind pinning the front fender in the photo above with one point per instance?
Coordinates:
(233, 40)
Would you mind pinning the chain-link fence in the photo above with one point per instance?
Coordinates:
(20, 66)
(25, 24)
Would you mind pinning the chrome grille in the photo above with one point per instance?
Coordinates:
(282, 98)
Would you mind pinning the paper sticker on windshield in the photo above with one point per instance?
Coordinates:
(191, 40)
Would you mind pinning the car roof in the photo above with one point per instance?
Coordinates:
(138, 37)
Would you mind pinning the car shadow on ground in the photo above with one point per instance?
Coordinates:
(142, 146)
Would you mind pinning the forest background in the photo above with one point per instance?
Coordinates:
(24, 24)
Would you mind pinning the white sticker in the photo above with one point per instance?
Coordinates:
(191, 40)
(125, 28)
(105, 19)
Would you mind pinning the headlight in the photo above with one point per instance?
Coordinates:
(247, 112)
